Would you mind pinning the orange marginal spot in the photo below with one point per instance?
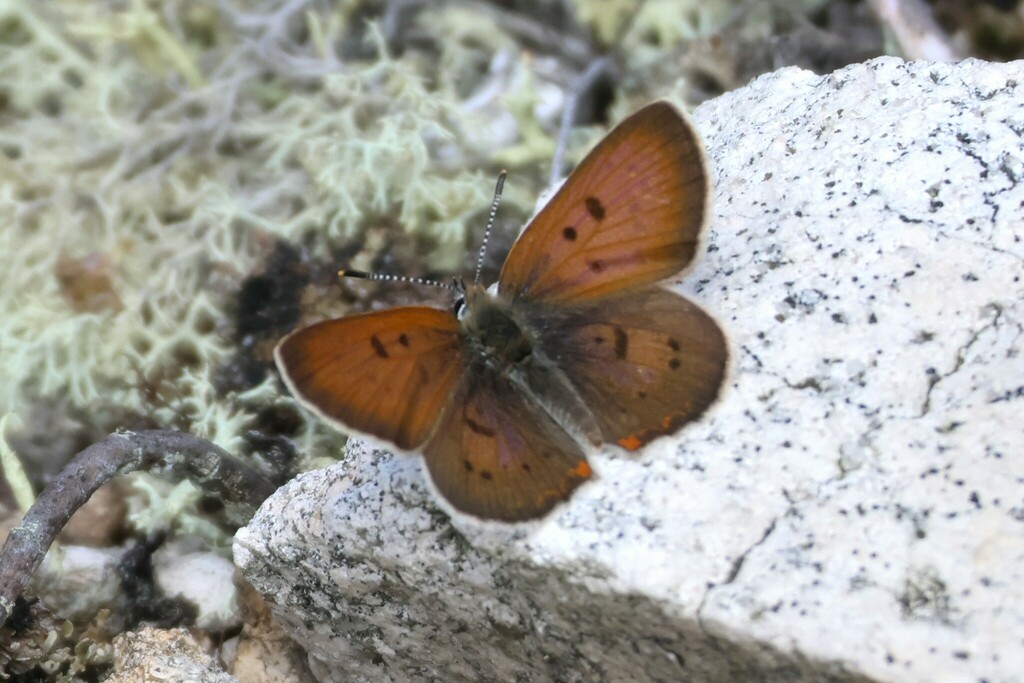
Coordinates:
(666, 422)
(582, 470)
(544, 496)
(631, 442)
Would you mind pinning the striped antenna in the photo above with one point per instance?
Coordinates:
(490, 224)
(384, 277)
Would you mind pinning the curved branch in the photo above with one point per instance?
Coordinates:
(210, 467)
(915, 29)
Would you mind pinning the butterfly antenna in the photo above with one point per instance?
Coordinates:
(490, 224)
(384, 277)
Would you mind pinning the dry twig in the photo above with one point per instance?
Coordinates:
(208, 466)
(915, 29)
(597, 67)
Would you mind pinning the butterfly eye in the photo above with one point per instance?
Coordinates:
(459, 307)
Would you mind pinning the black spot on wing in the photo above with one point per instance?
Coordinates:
(621, 343)
(378, 347)
(594, 208)
(403, 340)
(478, 428)
(569, 233)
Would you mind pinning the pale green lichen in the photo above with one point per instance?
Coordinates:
(162, 507)
(670, 22)
(65, 148)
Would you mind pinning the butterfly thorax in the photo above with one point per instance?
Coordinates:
(494, 330)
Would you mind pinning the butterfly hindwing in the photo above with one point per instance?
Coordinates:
(351, 370)
(645, 363)
(630, 214)
(496, 455)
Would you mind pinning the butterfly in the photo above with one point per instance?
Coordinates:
(576, 346)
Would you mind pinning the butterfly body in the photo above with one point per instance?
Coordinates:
(508, 338)
(576, 345)
(495, 330)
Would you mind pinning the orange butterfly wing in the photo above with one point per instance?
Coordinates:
(645, 363)
(629, 215)
(496, 455)
(387, 374)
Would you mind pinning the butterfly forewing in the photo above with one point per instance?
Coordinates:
(630, 214)
(645, 364)
(496, 455)
(386, 374)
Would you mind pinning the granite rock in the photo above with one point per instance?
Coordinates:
(204, 579)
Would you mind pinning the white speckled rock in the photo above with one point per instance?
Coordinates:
(203, 578)
(853, 508)
(75, 581)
